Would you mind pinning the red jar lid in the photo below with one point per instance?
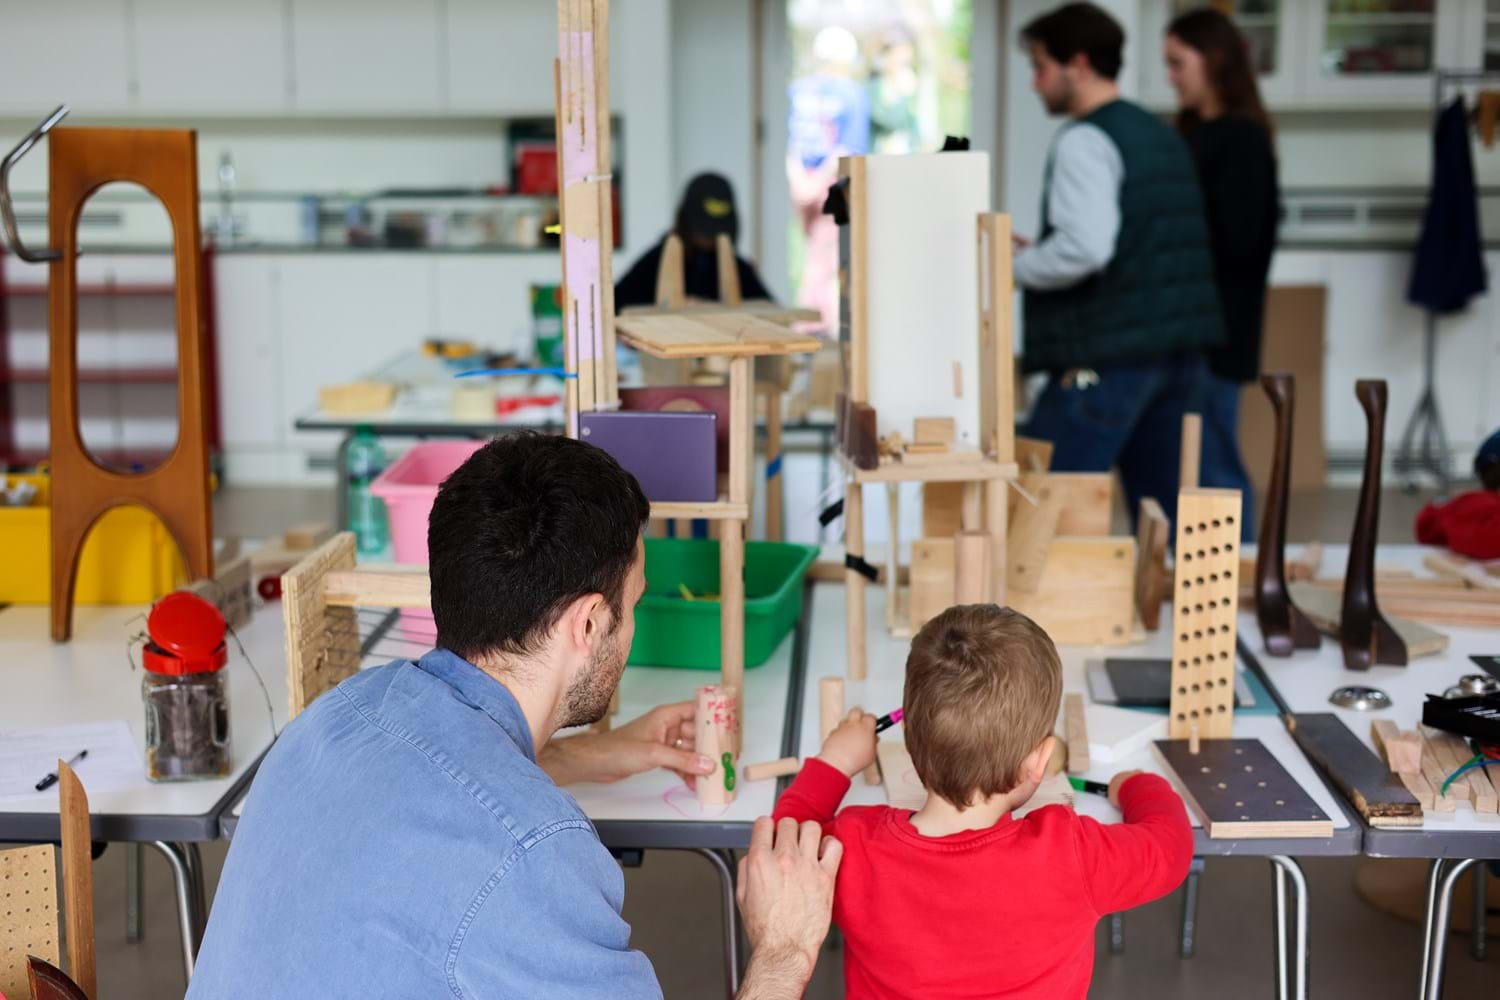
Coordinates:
(187, 635)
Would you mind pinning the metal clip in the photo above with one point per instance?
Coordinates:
(7, 213)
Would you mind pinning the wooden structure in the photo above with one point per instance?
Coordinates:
(78, 878)
(165, 163)
(1205, 603)
(1365, 634)
(30, 927)
(1075, 730)
(1283, 627)
(955, 386)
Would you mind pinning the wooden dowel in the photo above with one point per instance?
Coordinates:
(971, 567)
(1192, 451)
(771, 769)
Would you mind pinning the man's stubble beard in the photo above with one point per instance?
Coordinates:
(588, 698)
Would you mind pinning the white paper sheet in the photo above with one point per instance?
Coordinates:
(28, 755)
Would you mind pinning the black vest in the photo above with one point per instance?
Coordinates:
(1156, 297)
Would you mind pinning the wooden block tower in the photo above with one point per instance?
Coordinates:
(1204, 605)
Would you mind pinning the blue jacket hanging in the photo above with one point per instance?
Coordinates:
(1449, 265)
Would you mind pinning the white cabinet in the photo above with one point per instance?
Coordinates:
(367, 56)
(215, 58)
(247, 317)
(74, 53)
(500, 55)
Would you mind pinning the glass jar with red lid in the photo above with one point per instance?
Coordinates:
(185, 690)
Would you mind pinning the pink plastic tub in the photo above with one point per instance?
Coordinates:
(408, 487)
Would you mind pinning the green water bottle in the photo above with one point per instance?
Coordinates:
(363, 461)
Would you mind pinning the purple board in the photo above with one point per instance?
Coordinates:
(672, 455)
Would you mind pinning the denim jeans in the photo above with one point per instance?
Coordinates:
(1132, 417)
(1223, 468)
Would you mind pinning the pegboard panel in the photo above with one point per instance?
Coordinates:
(28, 913)
(1205, 601)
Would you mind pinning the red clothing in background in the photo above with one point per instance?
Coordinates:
(1003, 912)
(1469, 524)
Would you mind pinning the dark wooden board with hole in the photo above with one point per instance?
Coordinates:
(1237, 789)
(1362, 777)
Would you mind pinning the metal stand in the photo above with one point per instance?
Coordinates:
(1187, 944)
(1480, 945)
(187, 875)
(1440, 882)
(1426, 423)
(1290, 932)
(725, 870)
(135, 896)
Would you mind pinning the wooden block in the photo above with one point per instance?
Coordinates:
(871, 773)
(1402, 748)
(1323, 609)
(77, 878)
(971, 567)
(1088, 502)
(1032, 528)
(932, 577)
(932, 448)
(1433, 773)
(308, 535)
(941, 504)
(392, 587)
(830, 706)
(1153, 584)
(934, 430)
(1192, 452)
(27, 873)
(863, 445)
(322, 642)
(356, 398)
(997, 351)
(1086, 595)
(1076, 730)
(1033, 454)
(854, 582)
(1362, 778)
(1205, 606)
(1237, 789)
(1474, 573)
(770, 769)
(716, 725)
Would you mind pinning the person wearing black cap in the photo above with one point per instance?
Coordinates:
(706, 211)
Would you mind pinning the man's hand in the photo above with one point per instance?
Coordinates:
(786, 898)
(663, 737)
(851, 747)
(1116, 782)
(1019, 242)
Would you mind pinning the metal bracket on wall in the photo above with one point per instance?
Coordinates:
(7, 212)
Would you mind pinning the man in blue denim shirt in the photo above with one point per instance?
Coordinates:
(406, 836)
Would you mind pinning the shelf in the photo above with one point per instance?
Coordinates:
(140, 376)
(106, 289)
(936, 472)
(721, 510)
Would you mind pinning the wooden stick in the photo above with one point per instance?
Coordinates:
(830, 706)
(1192, 451)
(716, 724)
(770, 769)
(775, 482)
(77, 879)
(854, 581)
(996, 499)
(1402, 748)
(729, 271)
(383, 588)
(892, 555)
(996, 344)
(732, 609)
(971, 567)
(1076, 730)
(871, 773)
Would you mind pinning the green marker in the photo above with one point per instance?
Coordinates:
(1083, 785)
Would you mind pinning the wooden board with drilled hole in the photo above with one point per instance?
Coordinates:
(1086, 596)
(1238, 790)
(28, 913)
(1205, 605)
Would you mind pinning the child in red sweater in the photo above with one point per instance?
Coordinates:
(961, 899)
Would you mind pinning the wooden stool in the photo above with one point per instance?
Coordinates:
(165, 163)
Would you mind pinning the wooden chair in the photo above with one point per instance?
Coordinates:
(29, 949)
(165, 163)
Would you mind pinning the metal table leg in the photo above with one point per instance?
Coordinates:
(1481, 944)
(731, 918)
(1117, 933)
(1434, 876)
(1294, 985)
(189, 898)
(1187, 945)
(1437, 928)
(135, 896)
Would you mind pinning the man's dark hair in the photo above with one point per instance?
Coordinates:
(1079, 27)
(527, 525)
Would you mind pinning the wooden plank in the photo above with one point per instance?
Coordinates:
(395, 587)
(1437, 602)
(1205, 607)
(854, 310)
(1434, 773)
(1153, 584)
(1087, 592)
(736, 334)
(934, 430)
(1192, 452)
(689, 510)
(1402, 748)
(28, 873)
(954, 467)
(1032, 526)
(941, 504)
(78, 879)
(854, 581)
(1088, 502)
(932, 572)
(1322, 608)
(762, 308)
(1033, 454)
(1473, 572)
(741, 430)
(996, 499)
(971, 567)
(1453, 753)
(1237, 789)
(322, 643)
(997, 404)
(732, 610)
(1355, 771)
(1077, 733)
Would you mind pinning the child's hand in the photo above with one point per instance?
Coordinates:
(851, 747)
(1116, 782)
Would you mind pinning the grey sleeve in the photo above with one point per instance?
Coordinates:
(1083, 207)
(549, 925)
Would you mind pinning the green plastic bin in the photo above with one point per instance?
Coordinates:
(671, 631)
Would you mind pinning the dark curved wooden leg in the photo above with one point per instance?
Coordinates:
(1366, 636)
(1282, 625)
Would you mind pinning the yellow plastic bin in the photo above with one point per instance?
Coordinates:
(129, 557)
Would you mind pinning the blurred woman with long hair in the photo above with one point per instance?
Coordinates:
(1221, 116)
